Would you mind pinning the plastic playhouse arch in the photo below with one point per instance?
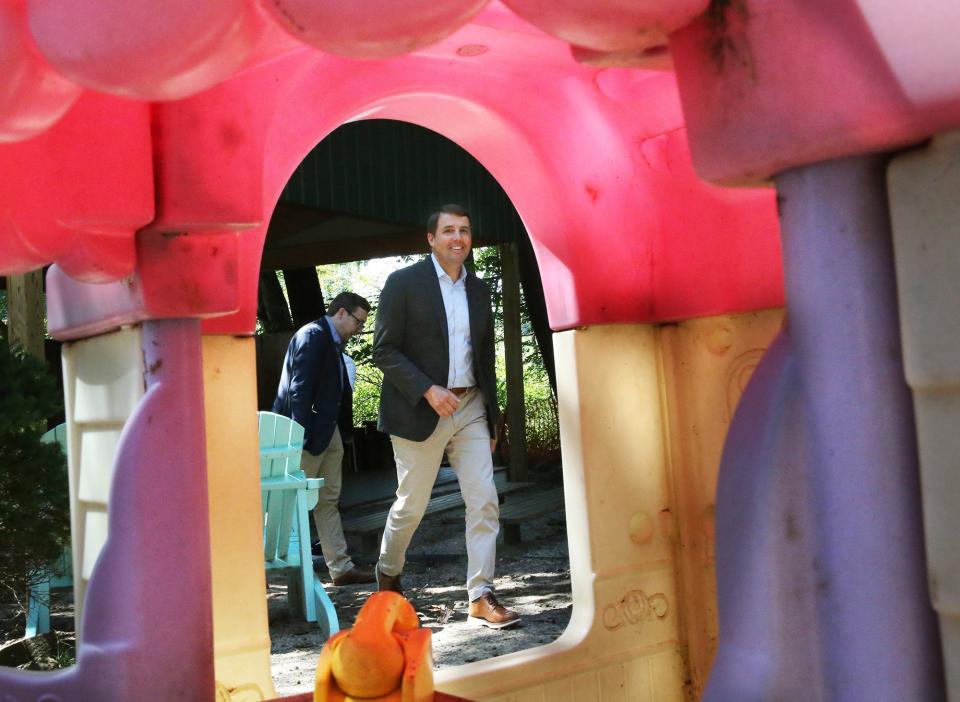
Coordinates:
(664, 292)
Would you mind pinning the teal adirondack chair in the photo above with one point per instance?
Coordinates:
(59, 574)
(288, 496)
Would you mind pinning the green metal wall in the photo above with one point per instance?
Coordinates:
(400, 172)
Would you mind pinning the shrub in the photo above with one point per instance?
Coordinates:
(34, 498)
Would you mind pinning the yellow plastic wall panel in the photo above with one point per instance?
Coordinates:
(241, 634)
(925, 210)
(583, 687)
(623, 634)
(627, 490)
(103, 382)
(706, 364)
(644, 411)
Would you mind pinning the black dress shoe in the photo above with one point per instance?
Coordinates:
(388, 582)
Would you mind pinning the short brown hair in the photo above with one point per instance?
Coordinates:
(451, 209)
(348, 301)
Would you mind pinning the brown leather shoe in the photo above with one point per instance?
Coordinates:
(354, 576)
(487, 611)
(388, 582)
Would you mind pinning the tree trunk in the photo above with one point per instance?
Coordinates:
(271, 304)
(537, 306)
(513, 352)
(25, 312)
(306, 297)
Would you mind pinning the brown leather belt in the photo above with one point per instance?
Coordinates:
(460, 391)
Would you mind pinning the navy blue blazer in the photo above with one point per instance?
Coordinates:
(314, 390)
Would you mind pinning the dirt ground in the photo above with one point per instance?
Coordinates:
(533, 577)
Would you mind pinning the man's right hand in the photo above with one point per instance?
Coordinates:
(443, 401)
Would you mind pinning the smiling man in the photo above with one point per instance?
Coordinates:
(434, 343)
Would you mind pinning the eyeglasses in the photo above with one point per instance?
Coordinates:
(360, 322)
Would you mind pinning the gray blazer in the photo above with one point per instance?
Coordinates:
(411, 347)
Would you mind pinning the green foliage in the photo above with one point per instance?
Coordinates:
(535, 379)
(34, 501)
(541, 424)
(366, 394)
(486, 264)
(366, 278)
(3, 314)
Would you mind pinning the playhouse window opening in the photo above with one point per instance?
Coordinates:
(353, 212)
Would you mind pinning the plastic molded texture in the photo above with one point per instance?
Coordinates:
(372, 29)
(141, 50)
(241, 636)
(596, 161)
(76, 193)
(610, 25)
(926, 233)
(819, 523)
(639, 511)
(385, 657)
(32, 96)
(772, 84)
(103, 383)
(159, 210)
(706, 366)
(917, 41)
(146, 623)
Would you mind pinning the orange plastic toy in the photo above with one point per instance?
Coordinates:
(385, 657)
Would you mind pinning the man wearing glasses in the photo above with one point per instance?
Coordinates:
(434, 343)
(315, 392)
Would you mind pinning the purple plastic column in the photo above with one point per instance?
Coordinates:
(879, 633)
(147, 622)
(820, 557)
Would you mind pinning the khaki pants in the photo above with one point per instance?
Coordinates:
(466, 439)
(326, 515)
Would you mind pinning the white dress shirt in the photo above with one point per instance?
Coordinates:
(338, 341)
(458, 327)
(351, 370)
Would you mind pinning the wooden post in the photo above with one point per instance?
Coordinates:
(25, 312)
(305, 295)
(513, 352)
(271, 304)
